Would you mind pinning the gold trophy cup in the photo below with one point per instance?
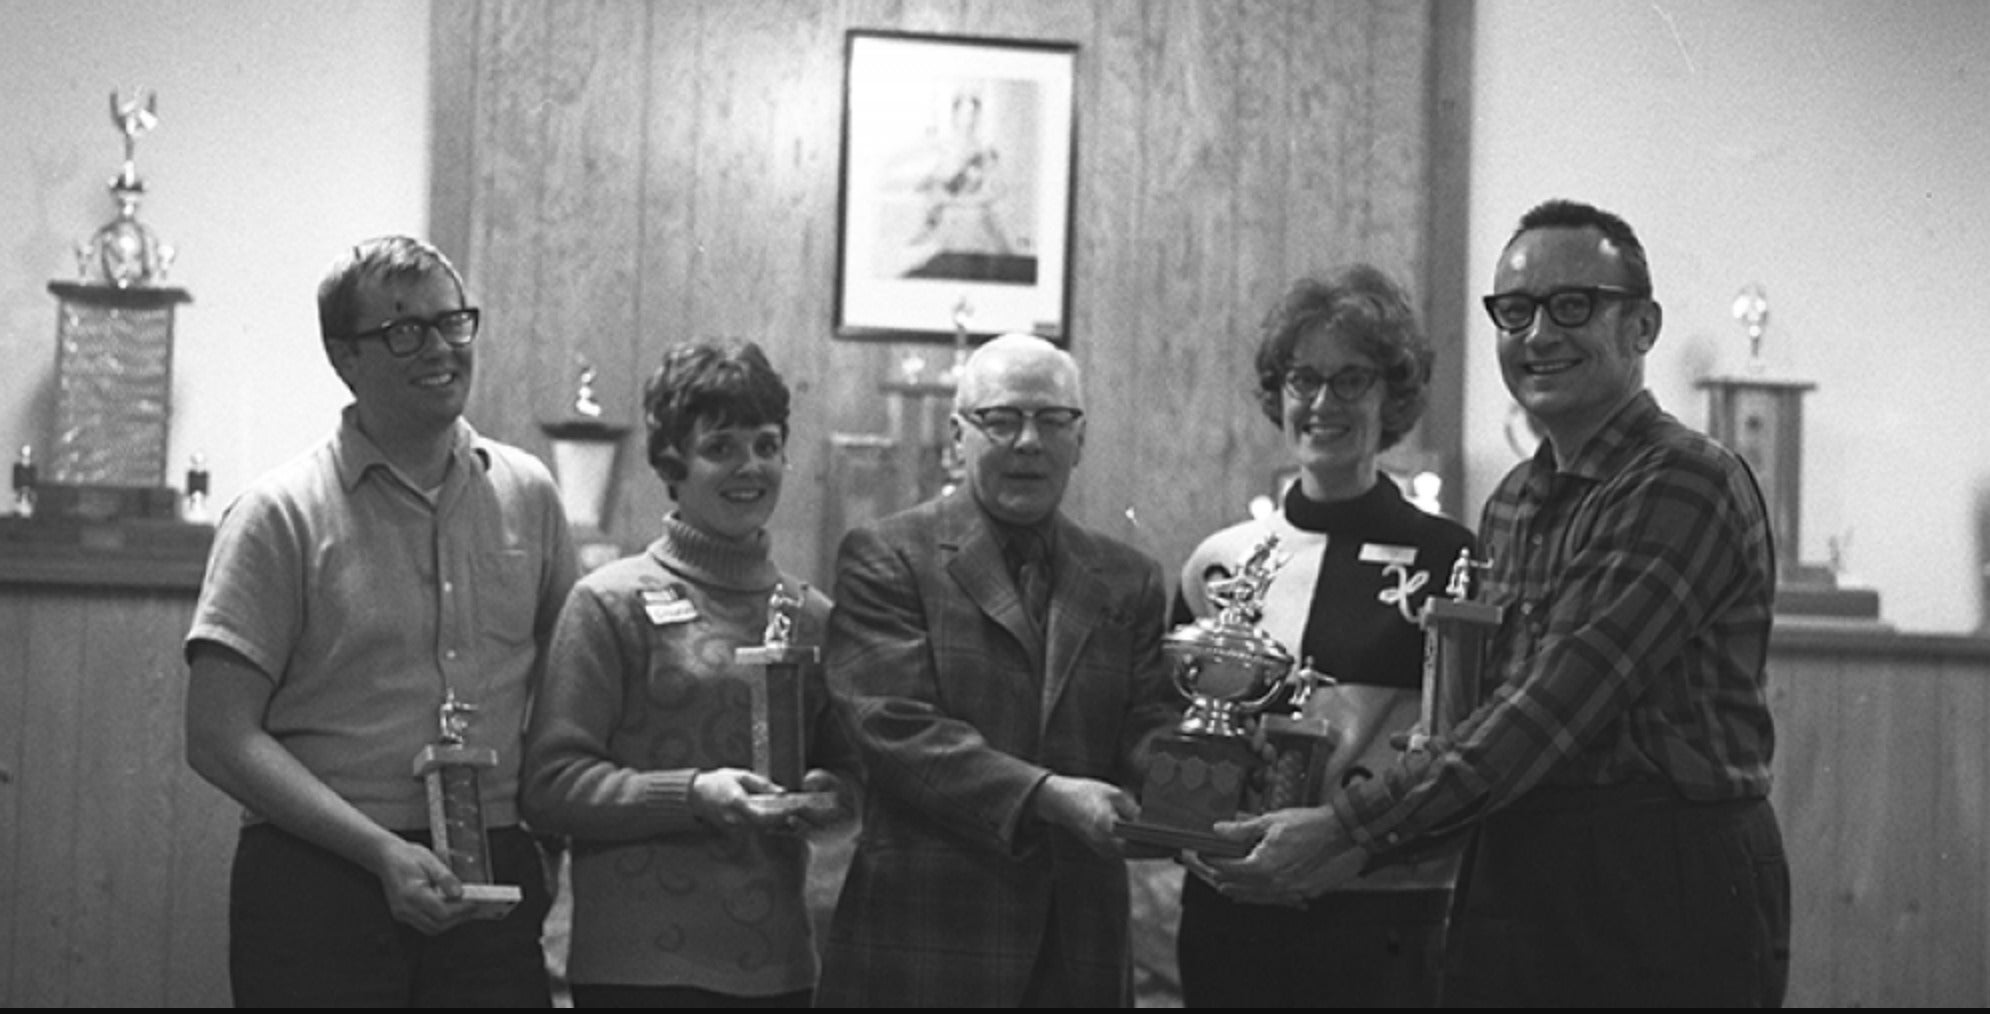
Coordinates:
(1231, 672)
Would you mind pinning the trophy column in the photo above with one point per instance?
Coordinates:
(114, 357)
(780, 735)
(457, 833)
(1454, 649)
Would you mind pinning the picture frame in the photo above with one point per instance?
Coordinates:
(955, 203)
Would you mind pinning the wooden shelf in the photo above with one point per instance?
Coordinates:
(130, 554)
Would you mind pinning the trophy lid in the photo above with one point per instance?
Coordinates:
(1212, 637)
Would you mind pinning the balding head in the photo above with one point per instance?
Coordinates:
(1016, 353)
(1018, 424)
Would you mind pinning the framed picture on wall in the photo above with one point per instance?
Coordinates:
(955, 210)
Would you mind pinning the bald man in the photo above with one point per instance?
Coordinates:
(1002, 668)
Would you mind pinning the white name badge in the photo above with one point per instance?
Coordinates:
(665, 606)
(1378, 552)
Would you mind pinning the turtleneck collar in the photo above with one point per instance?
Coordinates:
(1311, 515)
(737, 565)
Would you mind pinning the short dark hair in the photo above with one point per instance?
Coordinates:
(726, 383)
(1561, 213)
(1362, 304)
(384, 258)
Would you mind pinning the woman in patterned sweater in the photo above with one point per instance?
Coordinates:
(688, 887)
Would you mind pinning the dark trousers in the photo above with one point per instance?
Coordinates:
(1622, 896)
(309, 929)
(1345, 949)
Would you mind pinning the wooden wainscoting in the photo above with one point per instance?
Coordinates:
(1882, 767)
(113, 854)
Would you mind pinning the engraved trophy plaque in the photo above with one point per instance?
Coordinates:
(457, 833)
(780, 735)
(1231, 672)
(1455, 632)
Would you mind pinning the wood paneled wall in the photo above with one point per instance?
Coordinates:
(617, 175)
(1883, 787)
(114, 855)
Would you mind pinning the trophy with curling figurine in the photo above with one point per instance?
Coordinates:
(457, 833)
(1244, 744)
(1455, 632)
(777, 667)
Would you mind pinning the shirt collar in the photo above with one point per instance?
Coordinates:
(355, 454)
(1603, 454)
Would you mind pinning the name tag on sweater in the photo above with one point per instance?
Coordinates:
(1380, 552)
(666, 606)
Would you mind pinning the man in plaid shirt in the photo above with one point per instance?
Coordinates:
(1617, 770)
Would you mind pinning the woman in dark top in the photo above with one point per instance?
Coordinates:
(1343, 370)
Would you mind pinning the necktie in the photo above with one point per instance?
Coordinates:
(1033, 579)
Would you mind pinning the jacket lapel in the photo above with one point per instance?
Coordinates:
(1077, 601)
(975, 562)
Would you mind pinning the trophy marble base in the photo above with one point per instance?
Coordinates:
(785, 803)
(456, 823)
(493, 901)
(1179, 839)
(1192, 783)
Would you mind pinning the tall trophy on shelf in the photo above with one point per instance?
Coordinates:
(114, 355)
(1210, 768)
(1759, 416)
(457, 832)
(780, 734)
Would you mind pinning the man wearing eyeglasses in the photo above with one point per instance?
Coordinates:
(1617, 770)
(404, 563)
(1001, 666)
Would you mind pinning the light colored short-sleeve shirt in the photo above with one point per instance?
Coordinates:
(365, 601)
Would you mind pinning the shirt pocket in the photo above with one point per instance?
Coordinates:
(506, 596)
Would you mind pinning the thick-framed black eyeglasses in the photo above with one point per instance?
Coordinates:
(1004, 424)
(1349, 384)
(406, 336)
(1569, 306)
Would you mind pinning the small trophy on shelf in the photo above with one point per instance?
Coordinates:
(24, 483)
(1232, 674)
(1455, 631)
(457, 833)
(780, 736)
(1751, 308)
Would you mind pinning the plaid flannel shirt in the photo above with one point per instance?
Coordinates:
(1637, 585)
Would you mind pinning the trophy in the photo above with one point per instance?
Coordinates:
(1455, 631)
(456, 808)
(126, 253)
(1751, 308)
(1231, 672)
(24, 483)
(114, 355)
(780, 738)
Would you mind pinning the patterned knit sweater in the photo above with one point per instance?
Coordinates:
(640, 694)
